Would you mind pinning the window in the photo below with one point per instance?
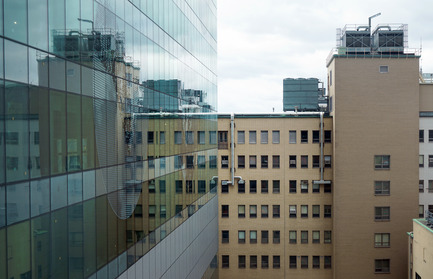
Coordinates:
(178, 137)
(381, 239)
(292, 136)
(292, 161)
(225, 261)
(304, 136)
(241, 211)
(252, 137)
(264, 186)
(241, 161)
(241, 236)
(201, 137)
(316, 261)
(202, 186)
(430, 186)
(421, 186)
(224, 211)
(150, 138)
(327, 163)
(224, 162)
(36, 138)
(316, 211)
(152, 186)
(275, 186)
(304, 161)
(241, 186)
(138, 212)
(265, 235)
(253, 211)
(253, 186)
(265, 261)
(292, 211)
(304, 261)
(189, 186)
(316, 161)
(328, 136)
(276, 211)
(179, 186)
(417, 276)
(421, 211)
(292, 261)
(327, 211)
(222, 140)
(383, 69)
(276, 161)
(327, 237)
(421, 135)
(381, 213)
(189, 137)
(276, 262)
(421, 161)
(292, 186)
(253, 236)
(327, 188)
(11, 138)
(316, 187)
(304, 211)
(178, 162)
(212, 137)
(304, 237)
(162, 186)
(161, 137)
(241, 137)
(275, 137)
(430, 135)
(381, 161)
(316, 236)
(253, 161)
(381, 188)
(304, 186)
(265, 211)
(276, 237)
(253, 261)
(328, 263)
(292, 237)
(201, 161)
(11, 163)
(162, 162)
(316, 136)
(212, 162)
(224, 186)
(264, 161)
(263, 137)
(189, 162)
(241, 261)
(430, 161)
(381, 266)
(152, 210)
(151, 162)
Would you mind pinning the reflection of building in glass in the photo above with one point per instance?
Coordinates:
(91, 184)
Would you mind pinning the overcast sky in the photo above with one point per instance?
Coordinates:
(261, 42)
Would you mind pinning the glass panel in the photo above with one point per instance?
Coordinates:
(2, 207)
(57, 73)
(18, 243)
(75, 188)
(88, 133)
(101, 231)
(15, 19)
(73, 77)
(16, 62)
(88, 185)
(58, 192)
(2, 140)
(3, 260)
(40, 246)
(89, 243)
(74, 132)
(38, 24)
(40, 197)
(56, 19)
(75, 229)
(59, 243)
(18, 199)
(58, 132)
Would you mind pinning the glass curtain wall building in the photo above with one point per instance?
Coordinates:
(101, 163)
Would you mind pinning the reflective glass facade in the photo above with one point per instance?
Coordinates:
(100, 158)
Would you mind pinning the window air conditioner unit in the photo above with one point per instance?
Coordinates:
(292, 162)
(224, 183)
(292, 210)
(241, 181)
(430, 160)
(327, 160)
(421, 186)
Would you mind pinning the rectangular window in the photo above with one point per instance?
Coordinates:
(292, 186)
(430, 161)
(265, 236)
(316, 136)
(327, 211)
(276, 237)
(264, 161)
(276, 161)
(253, 211)
(241, 186)
(11, 138)
(253, 186)
(316, 211)
(327, 163)
(177, 137)
(253, 236)
(304, 136)
(265, 261)
(430, 135)
(241, 211)
(275, 186)
(276, 211)
(304, 211)
(264, 186)
(202, 186)
(383, 69)
(381, 239)
(265, 211)
(242, 261)
(382, 188)
(151, 162)
(421, 161)
(222, 140)
(241, 161)
(381, 266)
(252, 137)
(224, 186)
(327, 188)
(241, 236)
(152, 210)
(275, 137)
(212, 137)
(150, 137)
(253, 261)
(304, 161)
(189, 186)
(161, 137)
(225, 237)
(189, 162)
(225, 263)
(304, 186)
(189, 137)
(327, 237)
(421, 186)
(381, 161)
(224, 211)
(430, 186)
(316, 161)
(179, 187)
(328, 262)
(316, 261)
(292, 211)
(162, 188)
(253, 161)
(162, 163)
(304, 237)
(212, 162)
(421, 211)
(152, 186)
(224, 162)
(201, 161)
(139, 137)
(381, 213)
(292, 237)
(292, 161)
(421, 135)
(293, 262)
(263, 137)
(241, 137)
(276, 262)
(304, 261)
(328, 136)
(316, 236)
(201, 137)
(316, 187)
(292, 136)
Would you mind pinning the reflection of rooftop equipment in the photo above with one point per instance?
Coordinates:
(429, 219)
